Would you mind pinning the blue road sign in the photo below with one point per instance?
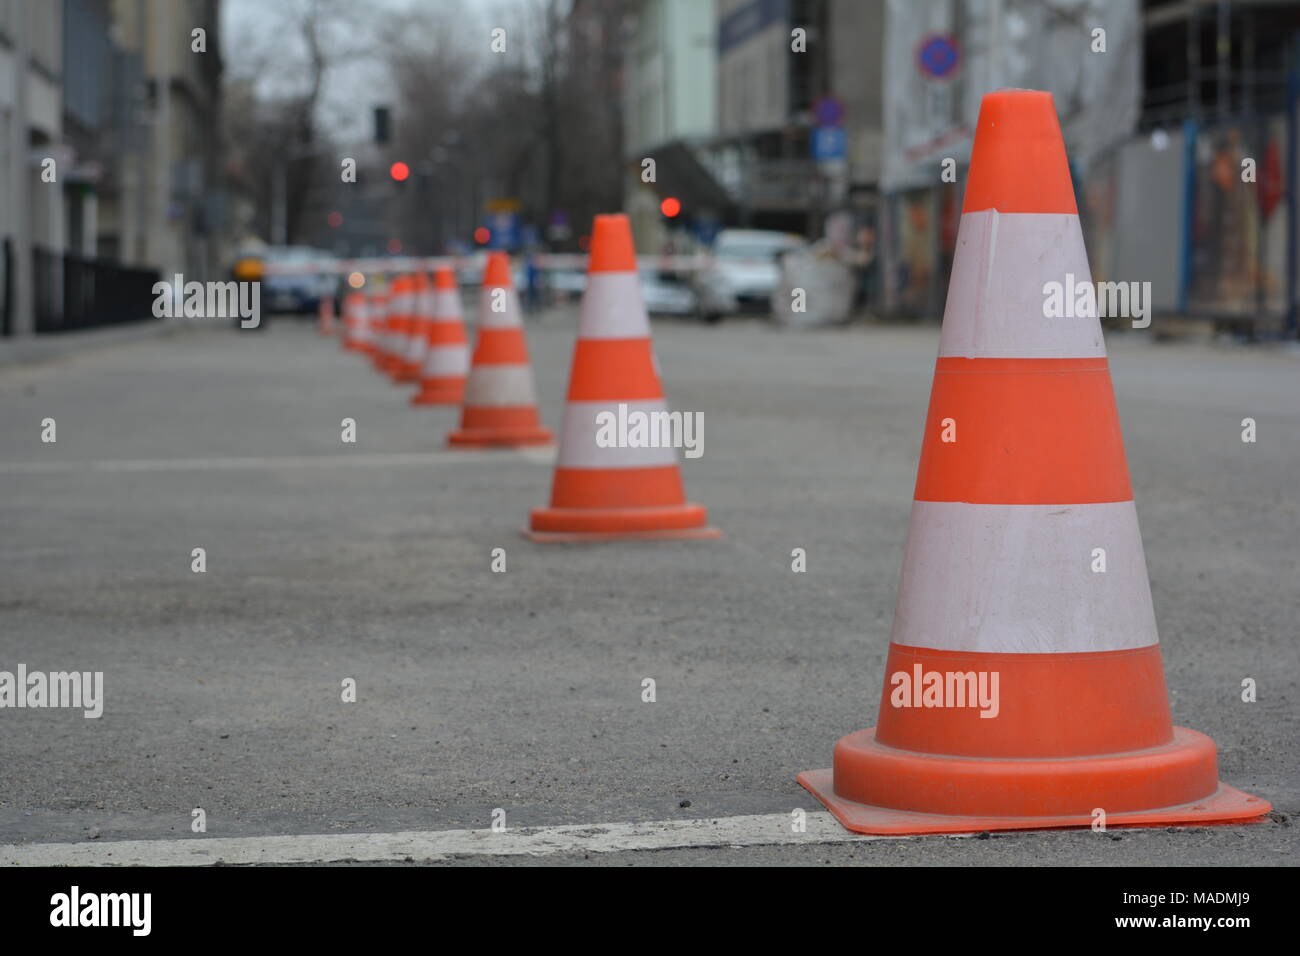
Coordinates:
(938, 56)
(829, 111)
(828, 143)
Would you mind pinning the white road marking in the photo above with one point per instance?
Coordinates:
(231, 464)
(420, 845)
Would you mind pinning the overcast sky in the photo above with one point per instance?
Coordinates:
(251, 48)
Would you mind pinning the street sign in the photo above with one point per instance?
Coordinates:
(828, 143)
(829, 111)
(938, 56)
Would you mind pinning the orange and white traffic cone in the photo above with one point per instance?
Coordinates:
(353, 337)
(377, 324)
(325, 315)
(401, 316)
(604, 490)
(446, 362)
(1024, 684)
(500, 407)
(384, 321)
(412, 345)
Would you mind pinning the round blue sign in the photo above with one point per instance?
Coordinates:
(828, 110)
(938, 56)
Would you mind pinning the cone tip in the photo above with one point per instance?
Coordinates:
(497, 273)
(444, 278)
(611, 244)
(1018, 162)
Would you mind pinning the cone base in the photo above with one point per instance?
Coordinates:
(500, 437)
(583, 524)
(1043, 787)
(449, 393)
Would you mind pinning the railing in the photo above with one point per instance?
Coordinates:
(73, 292)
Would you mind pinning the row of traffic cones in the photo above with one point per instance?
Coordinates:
(415, 333)
(1023, 690)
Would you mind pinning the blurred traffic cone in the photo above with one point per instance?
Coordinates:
(354, 321)
(325, 315)
(384, 322)
(401, 310)
(611, 491)
(446, 362)
(377, 323)
(412, 346)
(1024, 684)
(500, 402)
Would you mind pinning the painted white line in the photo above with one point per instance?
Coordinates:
(420, 845)
(233, 464)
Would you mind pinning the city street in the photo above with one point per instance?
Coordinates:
(523, 690)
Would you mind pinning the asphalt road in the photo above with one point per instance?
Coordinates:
(522, 690)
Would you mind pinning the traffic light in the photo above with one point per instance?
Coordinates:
(670, 207)
(399, 171)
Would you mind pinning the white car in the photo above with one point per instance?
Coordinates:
(743, 272)
(665, 295)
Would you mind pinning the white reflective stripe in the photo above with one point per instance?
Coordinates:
(1019, 579)
(996, 301)
(494, 385)
(508, 319)
(424, 304)
(447, 361)
(578, 447)
(612, 307)
(417, 343)
(446, 304)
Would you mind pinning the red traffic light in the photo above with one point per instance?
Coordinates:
(399, 171)
(670, 207)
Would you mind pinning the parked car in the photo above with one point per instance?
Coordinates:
(743, 272)
(296, 291)
(665, 294)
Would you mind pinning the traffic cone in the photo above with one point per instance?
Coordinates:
(354, 321)
(500, 406)
(1024, 588)
(412, 345)
(377, 324)
(325, 315)
(384, 322)
(401, 308)
(614, 492)
(446, 362)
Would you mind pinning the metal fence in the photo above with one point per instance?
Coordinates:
(74, 292)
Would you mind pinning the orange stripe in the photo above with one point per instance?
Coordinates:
(1018, 161)
(1028, 431)
(445, 333)
(1116, 702)
(611, 245)
(613, 370)
(502, 416)
(617, 487)
(501, 347)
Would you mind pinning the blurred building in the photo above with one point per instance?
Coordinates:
(758, 113)
(669, 111)
(1181, 124)
(108, 156)
(163, 204)
(31, 212)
